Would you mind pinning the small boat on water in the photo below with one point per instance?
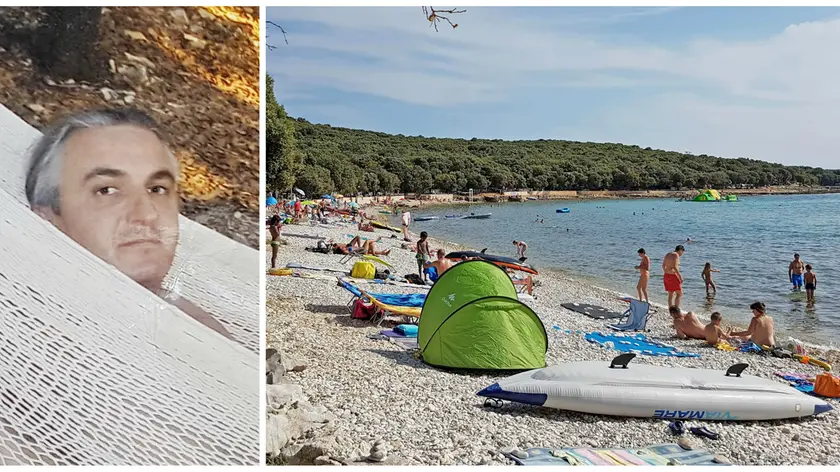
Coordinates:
(473, 216)
(426, 218)
(532, 198)
(563, 210)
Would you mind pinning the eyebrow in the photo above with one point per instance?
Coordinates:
(109, 172)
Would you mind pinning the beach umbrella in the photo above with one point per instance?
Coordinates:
(308, 202)
(299, 192)
(270, 201)
(353, 204)
(328, 197)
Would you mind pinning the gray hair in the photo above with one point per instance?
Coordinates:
(44, 170)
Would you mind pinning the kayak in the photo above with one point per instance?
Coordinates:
(482, 216)
(501, 261)
(426, 218)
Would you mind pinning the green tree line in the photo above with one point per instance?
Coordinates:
(323, 159)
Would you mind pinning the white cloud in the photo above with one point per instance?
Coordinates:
(391, 53)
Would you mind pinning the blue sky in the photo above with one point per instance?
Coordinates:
(762, 83)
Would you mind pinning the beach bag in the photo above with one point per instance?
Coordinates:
(363, 311)
(363, 270)
(827, 385)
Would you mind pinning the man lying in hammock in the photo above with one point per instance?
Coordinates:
(108, 180)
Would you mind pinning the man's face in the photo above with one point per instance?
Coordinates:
(119, 200)
(796, 258)
(681, 252)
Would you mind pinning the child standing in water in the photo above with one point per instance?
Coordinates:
(810, 282)
(707, 278)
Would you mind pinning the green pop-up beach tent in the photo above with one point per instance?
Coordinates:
(472, 319)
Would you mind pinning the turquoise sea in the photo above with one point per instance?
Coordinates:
(751, 241)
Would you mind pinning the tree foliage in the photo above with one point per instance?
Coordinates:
(349, 161)
(282, 158)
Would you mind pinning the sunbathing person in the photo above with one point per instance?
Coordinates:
(365, 227)
(339, 248)
(369, 248)
(760, 330)
(686, 324)
(714, 333)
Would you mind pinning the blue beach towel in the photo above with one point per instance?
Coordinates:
(636, 343)
(414, 300)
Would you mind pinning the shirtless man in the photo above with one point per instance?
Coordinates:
(672, 277)
(644, 275)
(795, 270)
(714, 333)
(687, 324)
(442, 264)
(521, 247)
(274, 229)
(760, 330)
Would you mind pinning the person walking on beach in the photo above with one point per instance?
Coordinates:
(644, 275)
(521, 247)
(406, 220)
(795, 270)
(707, 278)
(422, 255)
(672, 278)
(810, 282)
(274, 227)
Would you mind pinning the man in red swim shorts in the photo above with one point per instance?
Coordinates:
(672, 277)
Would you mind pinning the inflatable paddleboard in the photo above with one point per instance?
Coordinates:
(379, 225)
(425, 218)
(649, 391)
(498, 260)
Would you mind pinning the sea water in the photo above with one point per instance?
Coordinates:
(750, 241)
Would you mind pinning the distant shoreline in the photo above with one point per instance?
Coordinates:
(436, 200)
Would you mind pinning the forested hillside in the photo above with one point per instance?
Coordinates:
(324, 159)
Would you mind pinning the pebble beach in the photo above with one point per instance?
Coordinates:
(381, 393)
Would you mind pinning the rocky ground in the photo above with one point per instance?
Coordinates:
(375, 398)
(194, 69)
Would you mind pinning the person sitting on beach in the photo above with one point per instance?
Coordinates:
(521, 247)
(714, 333)
(810, 282)
(760, 330)
(707, 278)
(672, 277)
(422, 255)
(274, 227)
(644, 275)
(367, 227)
(440, 265)
(686, 324)
(369, 248)
(795, 269)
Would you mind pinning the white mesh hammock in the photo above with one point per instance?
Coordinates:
(94, 369)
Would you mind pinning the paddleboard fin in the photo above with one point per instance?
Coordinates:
(736, 370)
(622, 360)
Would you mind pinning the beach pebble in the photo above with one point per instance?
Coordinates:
(685, 443)
(378, 456)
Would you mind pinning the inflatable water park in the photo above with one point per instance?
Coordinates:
(712, 195)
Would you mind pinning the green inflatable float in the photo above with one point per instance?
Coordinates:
(472, 319)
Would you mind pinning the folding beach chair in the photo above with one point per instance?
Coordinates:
(384, 310)
(635, 318)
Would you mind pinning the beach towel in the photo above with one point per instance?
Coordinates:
(661, 454)
(802, 382)
(412, 300)
(637, 343)
(592, 311)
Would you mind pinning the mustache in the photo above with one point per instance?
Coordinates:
(165, 235)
